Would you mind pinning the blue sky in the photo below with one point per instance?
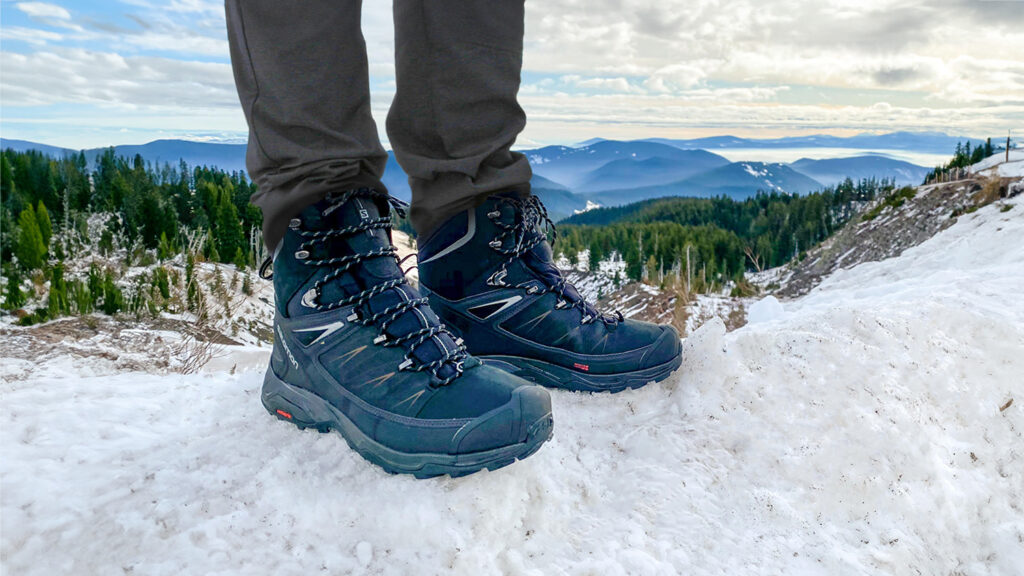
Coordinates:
(83, 74)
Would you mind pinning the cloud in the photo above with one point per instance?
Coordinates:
(30, 35)
(108, 79)
(44, 12)
(634, 68)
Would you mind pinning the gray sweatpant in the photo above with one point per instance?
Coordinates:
(302, 78)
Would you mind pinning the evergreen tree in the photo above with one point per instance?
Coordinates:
(58, 304)
(14, 298)
(30, 249)
(45, 226)
(113, 297)
(164, 250)
(239, 259)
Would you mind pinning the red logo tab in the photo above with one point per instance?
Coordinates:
(579, 366)
(285, 414)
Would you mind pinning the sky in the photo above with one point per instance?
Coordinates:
(79, 73)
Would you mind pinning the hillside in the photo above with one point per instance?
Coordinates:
(870, 427)
(632, 173)
(832, 171)
(737, 180)
(889, 226)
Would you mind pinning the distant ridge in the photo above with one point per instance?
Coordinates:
(930, 142)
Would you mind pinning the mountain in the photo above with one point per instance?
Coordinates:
(834, 170)
(227, 157)
(25, 146)
(539, 181)
(560, 203)
(571, 166)
(929, 142)
(737, 180)
(632, 173)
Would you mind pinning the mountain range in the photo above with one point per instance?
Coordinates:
(612, 172)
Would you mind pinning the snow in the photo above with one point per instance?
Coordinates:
(590, 206)
(996, 165)
(861, 432)
(765, 310)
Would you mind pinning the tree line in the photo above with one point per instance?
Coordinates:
(54, 210)
(715, 239)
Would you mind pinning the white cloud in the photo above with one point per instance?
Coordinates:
(112, 80)
(30, 35)
(606, 67)
(44, 11)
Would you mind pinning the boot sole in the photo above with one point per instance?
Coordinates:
(308, 410)
(554, 376)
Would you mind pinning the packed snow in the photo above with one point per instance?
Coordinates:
(998, 165)
(870, 427)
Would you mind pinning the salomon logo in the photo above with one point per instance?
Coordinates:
(287, 350)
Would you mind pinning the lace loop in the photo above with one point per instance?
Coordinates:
(529, 229)
(360, 302)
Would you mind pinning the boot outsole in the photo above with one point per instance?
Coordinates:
(305, 410)
(554, 376)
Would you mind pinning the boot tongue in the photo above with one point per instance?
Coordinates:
(372, 271)
(360, 211)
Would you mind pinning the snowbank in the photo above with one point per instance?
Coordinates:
(997, 165)
(857, 430)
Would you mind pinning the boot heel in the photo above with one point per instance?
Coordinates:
(294, 405)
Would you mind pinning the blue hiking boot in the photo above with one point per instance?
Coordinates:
(490, 277)
(358, 350)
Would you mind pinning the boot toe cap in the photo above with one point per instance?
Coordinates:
(527, 412)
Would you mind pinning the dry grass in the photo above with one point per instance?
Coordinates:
(992, 189)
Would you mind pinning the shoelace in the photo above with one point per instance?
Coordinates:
(529, 229)
(360, 301)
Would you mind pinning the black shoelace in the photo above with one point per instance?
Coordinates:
(360, 301)
(529, 229)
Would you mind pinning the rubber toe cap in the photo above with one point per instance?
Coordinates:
(665, 349)
(507, 425)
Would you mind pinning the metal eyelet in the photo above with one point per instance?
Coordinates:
(494, 243)
(587, 319)
(294, 223)
(560, 305)
(380, 339)
(494, 214)
(405, 365)
(302, 254)
(353, 317)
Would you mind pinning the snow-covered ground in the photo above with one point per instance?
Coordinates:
(866, 428)
(997, 165)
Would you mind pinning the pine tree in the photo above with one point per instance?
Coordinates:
(30, 248)
(14, 298)
(45, 226)
(239, 258)
(58, 304)
(228, 228)
(113, 298)
(164, 250)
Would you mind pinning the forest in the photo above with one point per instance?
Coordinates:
(137, 215)
(54, 210)
(724, 238)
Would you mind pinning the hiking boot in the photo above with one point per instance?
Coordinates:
(490, 277)
(358, 350)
